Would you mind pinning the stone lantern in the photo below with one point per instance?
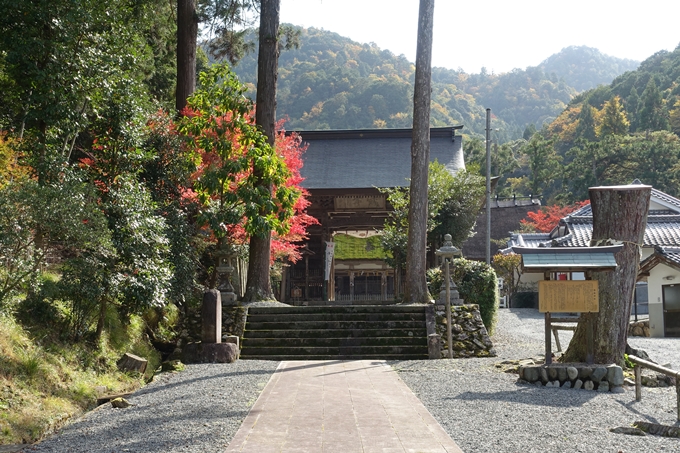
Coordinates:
(447, 252)
(224, 258)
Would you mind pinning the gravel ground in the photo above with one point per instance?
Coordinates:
(480, 406)
(486, 410)
(197, 410)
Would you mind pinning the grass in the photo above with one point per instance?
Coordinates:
(44, 382)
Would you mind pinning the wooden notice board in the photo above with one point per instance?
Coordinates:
(568, 296)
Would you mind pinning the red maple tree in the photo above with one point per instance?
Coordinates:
(548, 217)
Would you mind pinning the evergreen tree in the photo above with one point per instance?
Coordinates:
(652, 112)
(613, 119)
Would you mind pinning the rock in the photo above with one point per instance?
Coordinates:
(637, 331)
(549, 384)
(588, 385)
(566, 385)
(572, 373)
(210, 353)
(603, 387)
(552, 372)
(538, 384)
(598, 374)
(578, 384)
(120, 403)
(658, 430)
(585, 373)
(544, 374)
(646, 332)
(562, 374)
(649, 381)
(615, 375)
(630, 430)
(131, 362)
(617, 389)
(172, 365)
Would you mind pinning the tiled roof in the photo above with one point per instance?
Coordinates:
(671, 254)
(371, 157)
(666, 199)
(569, 260)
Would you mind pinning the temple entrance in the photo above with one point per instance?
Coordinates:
(671, 310)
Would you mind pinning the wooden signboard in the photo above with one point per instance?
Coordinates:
(568, 296)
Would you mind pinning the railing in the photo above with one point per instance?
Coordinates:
(639, 364)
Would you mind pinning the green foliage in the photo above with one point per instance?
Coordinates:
(231, 151)
(508, 267)
(477, 284)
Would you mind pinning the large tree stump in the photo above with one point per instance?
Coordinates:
(619, 217)
(131, 362)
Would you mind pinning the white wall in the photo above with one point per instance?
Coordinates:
(655, 282)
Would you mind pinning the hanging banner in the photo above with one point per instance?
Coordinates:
(330, 249)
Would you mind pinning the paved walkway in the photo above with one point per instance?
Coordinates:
(339, 406)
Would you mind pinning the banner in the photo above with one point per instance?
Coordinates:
(330, 249)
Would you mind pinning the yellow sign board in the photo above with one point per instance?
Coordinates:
(568, 296)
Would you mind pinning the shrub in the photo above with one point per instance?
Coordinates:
(477, 284)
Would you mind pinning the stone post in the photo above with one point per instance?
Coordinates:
(211, 317)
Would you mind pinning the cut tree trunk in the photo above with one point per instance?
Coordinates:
(619, 217)
(416, 252)
(131, 362)
(258, 286)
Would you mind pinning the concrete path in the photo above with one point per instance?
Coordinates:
(339, 406)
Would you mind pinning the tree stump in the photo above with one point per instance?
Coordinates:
(619, 217)
(131, 362)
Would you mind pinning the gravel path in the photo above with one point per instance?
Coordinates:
(485, 410)
(197, 410)
(481, 407)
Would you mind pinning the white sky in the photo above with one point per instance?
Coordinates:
(498, 34)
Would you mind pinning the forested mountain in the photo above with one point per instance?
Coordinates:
(584, 67)
(614, 134)
(332, 82)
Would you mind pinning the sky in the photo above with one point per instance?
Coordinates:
(499, 35)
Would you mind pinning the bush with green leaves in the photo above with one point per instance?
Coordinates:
(477, 284)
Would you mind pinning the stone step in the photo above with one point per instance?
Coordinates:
(337, 357)
(289, 317)
(340, 309)
(332, 351)
(335, 342)
(316, 325)
(338, 333)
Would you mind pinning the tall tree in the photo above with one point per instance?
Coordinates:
(416, 282)
(613, 119)
(652, 115)
(619, 216)
(258, 286)
(187, 34)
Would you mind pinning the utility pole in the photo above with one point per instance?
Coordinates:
(488, 186)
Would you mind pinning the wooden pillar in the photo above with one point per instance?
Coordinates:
(306, 277)
(284, 282)
(383, 285)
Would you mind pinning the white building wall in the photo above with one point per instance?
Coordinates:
(658, 277)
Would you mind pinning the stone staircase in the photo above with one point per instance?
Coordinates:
(335, 332)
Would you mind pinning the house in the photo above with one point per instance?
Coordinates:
(342, 171)
(660, 259)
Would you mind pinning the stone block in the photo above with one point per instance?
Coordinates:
(529, 373)
(598, 373)
(578, 384)
(572, 373)
(615, 375)
(434, 346)
(552, 372)
(585, 373)
(211, 317)
(566, 385)
(562, 374)
(231, 339)
(603, 387)
(617, 389)
(588, 385)
(210, 353)
(543, 373)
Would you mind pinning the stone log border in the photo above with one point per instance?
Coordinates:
(603, 378)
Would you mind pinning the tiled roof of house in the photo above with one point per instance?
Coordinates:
(663, 227)
(348, 159)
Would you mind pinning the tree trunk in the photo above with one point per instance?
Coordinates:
(258, 286)
(619, 216)
(187, 33)
(416, 282)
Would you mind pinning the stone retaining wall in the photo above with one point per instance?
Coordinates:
(639, 329)
(470, 337)
(603, 378)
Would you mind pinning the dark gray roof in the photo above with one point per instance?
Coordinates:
(663, 228)
(347, 159)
